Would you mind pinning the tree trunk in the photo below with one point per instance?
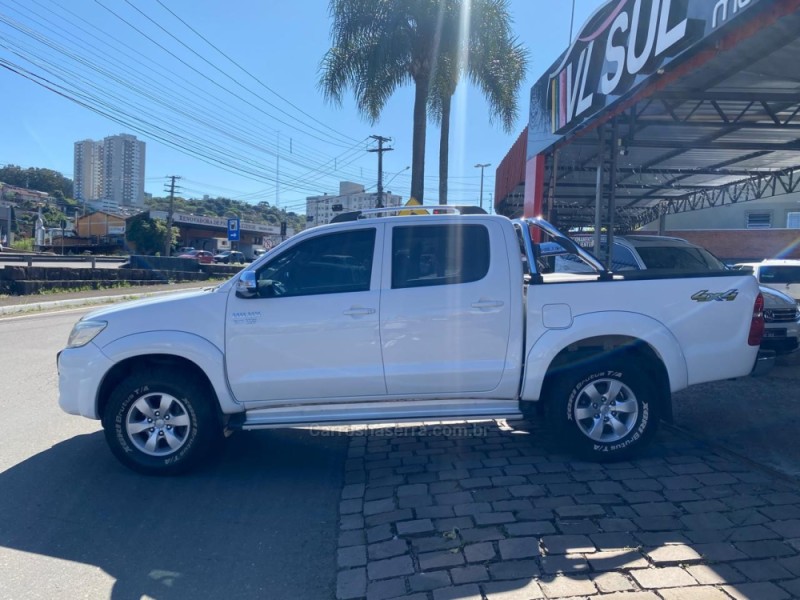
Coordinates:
(418, 142)
(444, 149)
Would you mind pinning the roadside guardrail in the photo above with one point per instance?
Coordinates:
(33, 258)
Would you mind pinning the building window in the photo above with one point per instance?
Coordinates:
(759, 220)
(793, 220)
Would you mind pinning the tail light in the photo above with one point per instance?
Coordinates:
(757, 323)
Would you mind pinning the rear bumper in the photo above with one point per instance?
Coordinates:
(764, 363)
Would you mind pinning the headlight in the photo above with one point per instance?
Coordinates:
(84, 332)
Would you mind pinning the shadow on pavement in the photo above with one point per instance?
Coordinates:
(247, 525)
(755, 417)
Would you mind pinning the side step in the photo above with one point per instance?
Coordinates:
(375, 412)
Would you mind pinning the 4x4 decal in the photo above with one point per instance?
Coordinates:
(706, 296)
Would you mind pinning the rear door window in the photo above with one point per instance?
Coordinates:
(427, 255)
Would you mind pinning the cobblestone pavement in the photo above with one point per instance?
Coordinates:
(487, 511)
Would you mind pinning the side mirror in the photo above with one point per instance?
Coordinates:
(247, 286)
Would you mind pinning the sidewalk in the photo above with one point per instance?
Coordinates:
(40, 302)
(489, 512)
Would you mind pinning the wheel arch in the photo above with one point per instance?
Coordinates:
(121, 370)
(592, 336)
(172, 348)
(614, 347)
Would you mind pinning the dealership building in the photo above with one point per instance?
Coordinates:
(672, 116)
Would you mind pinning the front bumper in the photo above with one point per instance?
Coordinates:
(80, 373)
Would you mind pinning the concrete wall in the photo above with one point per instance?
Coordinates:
(734, 216)
(32, 280)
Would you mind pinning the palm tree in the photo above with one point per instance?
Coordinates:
(493, 60)
(379, 45)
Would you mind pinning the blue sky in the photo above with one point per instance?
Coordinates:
(242, 113)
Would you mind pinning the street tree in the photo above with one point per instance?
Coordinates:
(149, 235)
(479, 44)
(379, 45)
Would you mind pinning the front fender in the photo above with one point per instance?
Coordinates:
(194, 348)
(608, 323)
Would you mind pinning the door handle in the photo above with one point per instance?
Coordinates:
(487, 304)
(358, 311)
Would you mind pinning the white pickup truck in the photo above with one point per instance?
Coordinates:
(407, 318)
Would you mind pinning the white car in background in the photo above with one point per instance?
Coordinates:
(779, 274)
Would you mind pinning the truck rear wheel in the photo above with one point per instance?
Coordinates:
(160, 422)
(605, 410)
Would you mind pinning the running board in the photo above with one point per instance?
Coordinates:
(376, 412)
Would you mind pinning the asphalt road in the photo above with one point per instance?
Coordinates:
(259, 521)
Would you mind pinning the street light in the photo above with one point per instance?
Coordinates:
(396, 174)
(482, 166)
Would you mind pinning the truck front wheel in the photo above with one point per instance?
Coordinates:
(605, 410)
(160, 422)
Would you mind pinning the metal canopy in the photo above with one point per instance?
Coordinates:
(726, 130)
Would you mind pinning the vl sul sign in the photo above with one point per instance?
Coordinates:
(621, 45)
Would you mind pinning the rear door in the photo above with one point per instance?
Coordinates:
(445, 307)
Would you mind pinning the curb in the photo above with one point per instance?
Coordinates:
(42, 306)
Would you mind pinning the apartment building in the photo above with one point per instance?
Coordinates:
(111, 170)
(320, 210)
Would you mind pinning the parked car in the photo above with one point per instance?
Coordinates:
(229, 256)
(202, 256)
(781, 322)
(779, 274)
(432, 317)
(656, 252)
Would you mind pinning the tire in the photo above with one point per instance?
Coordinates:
(160, 422)
(604, 410)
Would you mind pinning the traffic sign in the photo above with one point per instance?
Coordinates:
(233, 230)
(413, 202)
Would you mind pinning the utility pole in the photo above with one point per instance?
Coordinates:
(380, 150)
(168, 246)
(482, 166)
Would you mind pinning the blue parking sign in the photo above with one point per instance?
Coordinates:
(233, 230)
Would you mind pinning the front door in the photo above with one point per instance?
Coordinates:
(312, 332)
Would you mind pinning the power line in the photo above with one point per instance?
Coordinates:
(104, 72)
(203, 75)
(201, 96)
(265, 86)
(188, 140)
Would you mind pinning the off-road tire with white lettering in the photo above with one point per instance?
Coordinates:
(189, 422)
(603, 410)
